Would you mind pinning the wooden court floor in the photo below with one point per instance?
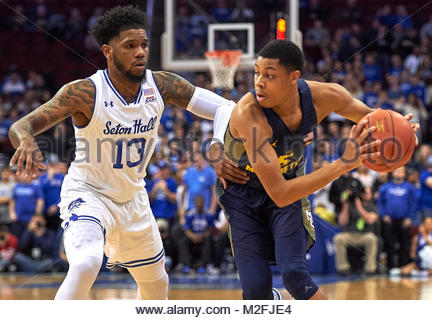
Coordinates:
(42, 287)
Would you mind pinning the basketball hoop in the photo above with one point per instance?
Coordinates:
(223, 65)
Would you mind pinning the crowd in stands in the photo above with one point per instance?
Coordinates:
(382, 59)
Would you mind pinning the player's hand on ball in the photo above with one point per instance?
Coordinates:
(358, 147)
(415, 126)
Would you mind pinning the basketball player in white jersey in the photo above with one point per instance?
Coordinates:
(116, 114)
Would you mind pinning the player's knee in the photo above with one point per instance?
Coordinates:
(87, 268)
(298, 282)
(257, 288)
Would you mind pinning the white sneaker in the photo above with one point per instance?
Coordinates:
(395, 272)
(276, 294)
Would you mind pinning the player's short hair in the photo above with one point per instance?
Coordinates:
(116, 20)
(288, 53)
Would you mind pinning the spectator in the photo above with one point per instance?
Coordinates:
(413, 104)
(381, 179)
(395, 66)
(396, 203)
(18, 22)
(75, 25)
(426, 29)
(358, 218)
(421, 159)
(413, 177)
(51, 183)
(221, 12)
(371, 94)
(198, 229)
(413, 61)
(8, 247)
(394, 93)
(417, 87)
(385, 16)
(426, 189)
(169, 244)
(200, 180)
(371, 70)
(365, 176)
(5, 124)
(421, 252)
(36, 247)
(7, 184)
(343, 185)
(318, 33)
(403, 18)
(14, 85)
(27, 200)
(162, 194)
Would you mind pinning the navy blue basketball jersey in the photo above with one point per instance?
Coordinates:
(289, 146)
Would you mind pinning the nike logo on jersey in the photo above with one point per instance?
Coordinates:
(137, 127)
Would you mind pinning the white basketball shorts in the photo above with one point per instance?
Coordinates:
(132, 237)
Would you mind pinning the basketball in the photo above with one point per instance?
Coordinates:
(397, 140)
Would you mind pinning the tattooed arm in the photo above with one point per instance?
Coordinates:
(74, 99)
(174, 89)
(178, 91)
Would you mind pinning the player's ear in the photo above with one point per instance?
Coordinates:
(294, 76)
(106, 50)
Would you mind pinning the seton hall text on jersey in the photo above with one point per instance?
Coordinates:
(137, 127)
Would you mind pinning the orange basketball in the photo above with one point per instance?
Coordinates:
(397, 140)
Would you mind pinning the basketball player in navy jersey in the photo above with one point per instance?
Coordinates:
(268, 211)
(116, 113)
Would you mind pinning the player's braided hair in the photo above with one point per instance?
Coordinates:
(116, 20)
(288, 53)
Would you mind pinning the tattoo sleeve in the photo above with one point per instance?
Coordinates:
(72, 98)
(174, 89)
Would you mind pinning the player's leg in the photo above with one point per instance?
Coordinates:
(291, 259)
(250, 238)
(255, 278)
(84, 243)
(152, 281)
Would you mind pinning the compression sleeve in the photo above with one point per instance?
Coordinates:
(221, 120)
(205, 103)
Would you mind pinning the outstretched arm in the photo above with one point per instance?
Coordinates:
(72, 99)
(332, 97)
(255, 132)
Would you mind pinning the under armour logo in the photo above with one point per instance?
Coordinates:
(111, 104)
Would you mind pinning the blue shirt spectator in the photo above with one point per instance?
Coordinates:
(371, 70)
(162, 193)
(426, 187)
(199, 180)
(25, 196)
(5, 125)
(51, 186)
(397, 200)
(370, 98)
(199, 222)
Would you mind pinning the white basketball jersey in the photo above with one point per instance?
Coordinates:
(113, 150)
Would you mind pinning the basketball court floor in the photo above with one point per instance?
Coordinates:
(224, 287)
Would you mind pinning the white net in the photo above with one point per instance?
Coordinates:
(223, 65)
